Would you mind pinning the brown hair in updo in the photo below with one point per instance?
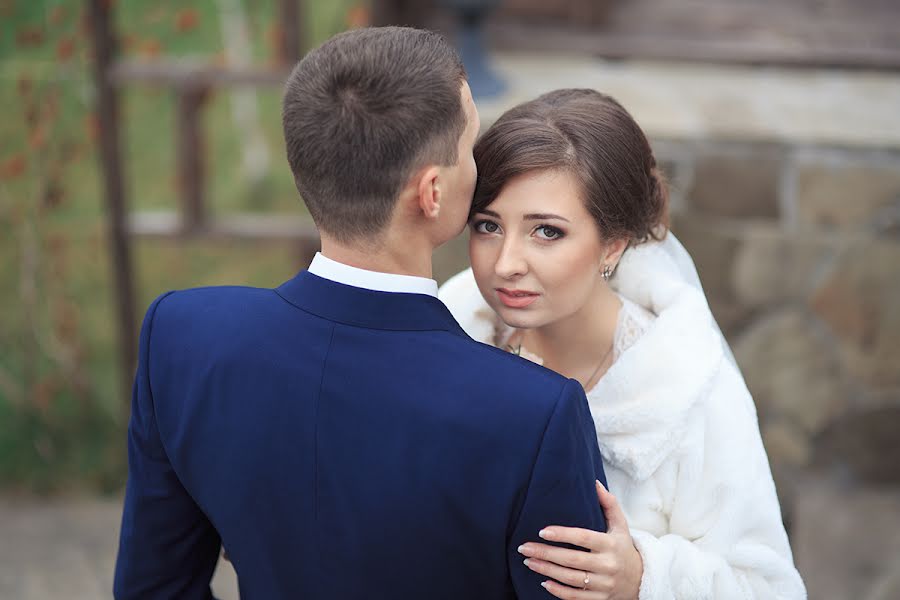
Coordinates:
(592, 136)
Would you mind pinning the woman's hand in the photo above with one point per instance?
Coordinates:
(610, 570)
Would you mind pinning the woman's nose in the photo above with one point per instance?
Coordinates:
(511, 263)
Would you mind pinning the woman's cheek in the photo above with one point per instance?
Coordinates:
(566, 279)
(552, 267)
(480, 257)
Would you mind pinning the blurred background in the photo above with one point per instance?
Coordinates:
(140, 151)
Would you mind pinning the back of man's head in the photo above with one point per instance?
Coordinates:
(363, 112)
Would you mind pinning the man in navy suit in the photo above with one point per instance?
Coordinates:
(340, 435)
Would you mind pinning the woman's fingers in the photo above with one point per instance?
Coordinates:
(615, 517)
(586, 538)
(570, 577)
(573, 559)
(569, 593)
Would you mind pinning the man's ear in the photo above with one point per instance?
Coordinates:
(428, 192)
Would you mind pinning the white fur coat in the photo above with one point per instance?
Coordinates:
(679, 436)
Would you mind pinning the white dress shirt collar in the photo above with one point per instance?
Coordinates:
(371, 280)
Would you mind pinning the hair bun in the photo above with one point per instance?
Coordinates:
(659, 203)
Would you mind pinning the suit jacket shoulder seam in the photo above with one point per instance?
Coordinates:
(151, 319)
(316, 419)
(540, 447)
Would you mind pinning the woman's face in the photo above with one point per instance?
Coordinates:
(536, 251)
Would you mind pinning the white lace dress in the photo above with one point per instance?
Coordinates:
(633, 322)
(678, 432)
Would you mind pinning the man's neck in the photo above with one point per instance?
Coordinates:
(381, 257)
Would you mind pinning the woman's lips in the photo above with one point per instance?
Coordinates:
(516, 298)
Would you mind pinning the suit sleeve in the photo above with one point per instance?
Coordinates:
(561, 490)
(167, 546)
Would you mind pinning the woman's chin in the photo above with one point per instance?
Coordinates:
(517, 318)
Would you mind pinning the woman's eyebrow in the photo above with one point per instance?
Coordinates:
(528, 217)
(543, 217)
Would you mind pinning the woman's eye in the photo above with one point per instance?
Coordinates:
(545, 232)
(486, 227)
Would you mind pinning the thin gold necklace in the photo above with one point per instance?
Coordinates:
(517, 350)
(597, 370)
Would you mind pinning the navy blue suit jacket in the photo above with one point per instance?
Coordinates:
(343, 443)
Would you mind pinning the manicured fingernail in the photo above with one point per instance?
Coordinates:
(525, 562)
(546, 534)
(521, 549)
(544, 584)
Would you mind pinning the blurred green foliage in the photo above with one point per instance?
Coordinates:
(62, 419)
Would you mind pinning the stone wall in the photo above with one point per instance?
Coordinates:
(799, 252)
(798, 249)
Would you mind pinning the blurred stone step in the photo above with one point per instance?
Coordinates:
(846, 539)
(688, 101)
(65, 549)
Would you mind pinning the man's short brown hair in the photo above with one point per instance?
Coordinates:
(361, 113)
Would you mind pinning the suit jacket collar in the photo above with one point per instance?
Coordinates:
(367, 308)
